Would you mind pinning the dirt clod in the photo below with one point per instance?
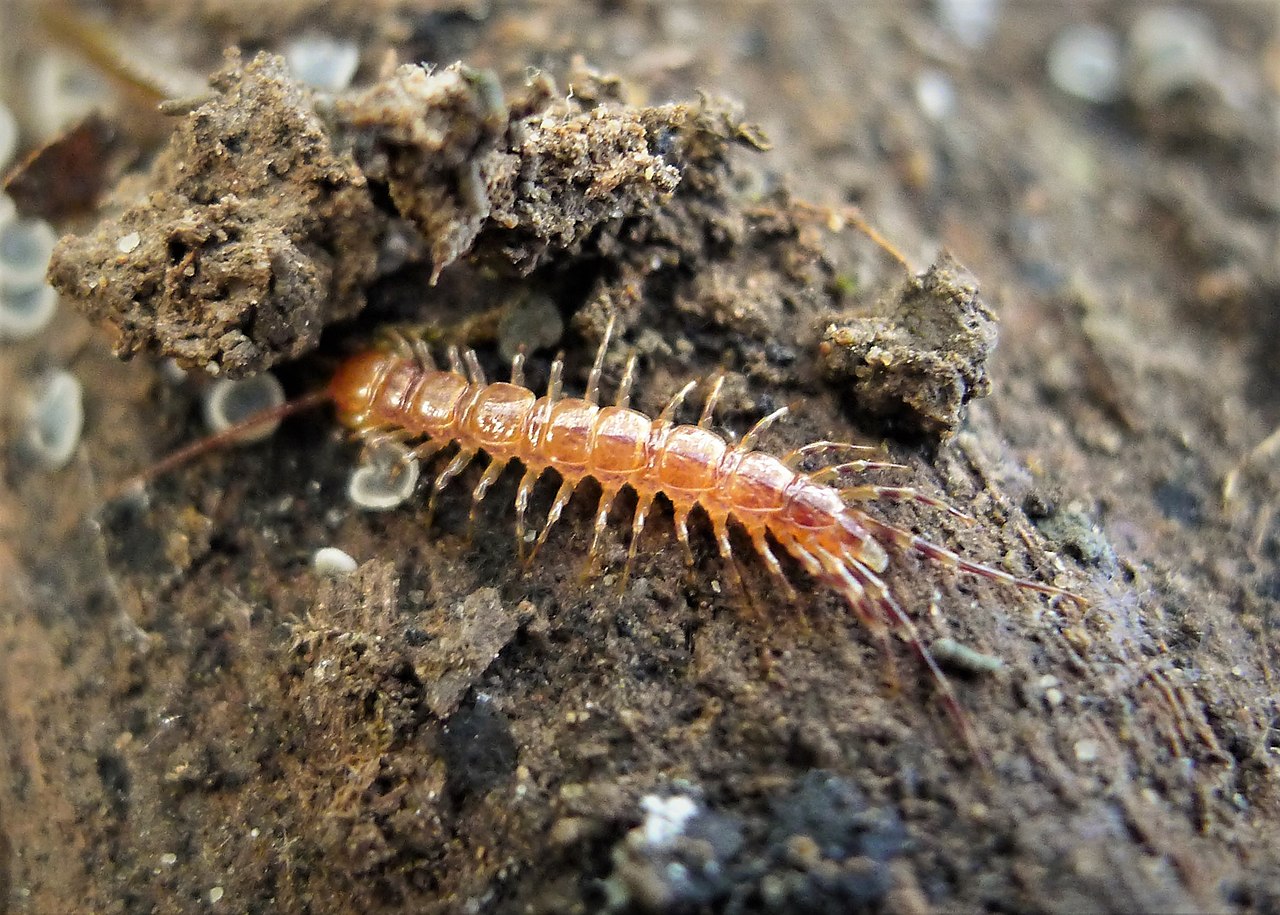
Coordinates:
(921, 356)
(249, 235)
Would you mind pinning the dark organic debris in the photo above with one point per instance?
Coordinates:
(825, 852)
(921, 356)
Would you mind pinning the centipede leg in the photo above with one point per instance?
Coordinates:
(749, 440)
(607, 498)
(831, 476)
(628, 379)
(682, 533)
(637, 528)
(868, 493)
(522, 507)
(563, 495)
(836, 571)
(903, 624)
(906, 540)
(796, 457)
(720, 527)
(771, 562)
(451, 470)
(592, 394)
(713, 398)
(491, 473)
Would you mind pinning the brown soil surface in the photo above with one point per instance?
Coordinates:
(192, 719)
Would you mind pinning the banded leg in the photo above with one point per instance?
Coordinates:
(563, 495)
(491, 473)
(517, 369)
(605, 505)
(451, 470)
(906, 540)
(522, 507)
(643, 504)
(900, 494)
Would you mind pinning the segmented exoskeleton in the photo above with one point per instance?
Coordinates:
(399, 392)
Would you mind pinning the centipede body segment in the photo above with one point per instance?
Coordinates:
(399, 392)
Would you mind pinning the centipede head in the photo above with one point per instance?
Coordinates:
(354, 386)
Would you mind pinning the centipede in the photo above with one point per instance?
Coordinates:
(396, 391)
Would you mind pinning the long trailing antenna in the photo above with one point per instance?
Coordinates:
(221, 439)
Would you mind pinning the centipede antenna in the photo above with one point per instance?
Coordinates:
(628, 379)
(227, 436)
(713, 397)
(593, 380)
(749, 440)
(517, 369)
(474, 370)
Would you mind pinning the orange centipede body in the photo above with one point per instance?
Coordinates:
(398, 392)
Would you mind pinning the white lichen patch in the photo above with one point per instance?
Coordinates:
(25, 247)
(230, 401)
(54, 419)
(385, 477)
(25, 311)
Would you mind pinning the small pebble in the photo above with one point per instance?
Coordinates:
(25, 311)
(330, 560)
(25, 247)
(228, 401)
(1084, 61)
(55, 419)
(127, 244)
(215, 895)
(168, 859)
(385, 478)
(322, 62)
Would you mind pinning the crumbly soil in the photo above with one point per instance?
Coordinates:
(193, 719)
